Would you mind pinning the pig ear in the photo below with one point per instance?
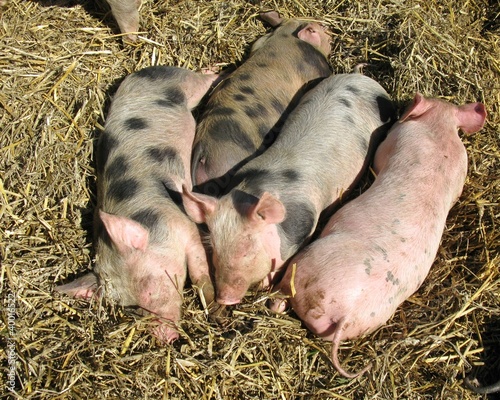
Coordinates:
(268, 209)
(83, 287)
(272, 18)
(198, 206)
(471, 117)
(416, 108)
(125, 233)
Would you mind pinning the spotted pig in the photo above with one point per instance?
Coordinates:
(245, 112)
(143, 238)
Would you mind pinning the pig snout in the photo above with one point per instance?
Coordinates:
(230, 291)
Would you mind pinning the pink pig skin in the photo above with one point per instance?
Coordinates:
(377, 250)
(143, 239)
(126, 13)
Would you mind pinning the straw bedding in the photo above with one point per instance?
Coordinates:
(60, 62)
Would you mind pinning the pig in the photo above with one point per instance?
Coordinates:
(143, 237)
(245, 111)
(377, 249)
(126, 13)
(276, 199)
(493, 388)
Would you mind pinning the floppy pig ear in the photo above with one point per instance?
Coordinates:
(198, 206)
(471, 117)
(125, 233)
(416, 108)
(269, 209)
(272, 18)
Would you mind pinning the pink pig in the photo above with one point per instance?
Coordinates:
(377, 250)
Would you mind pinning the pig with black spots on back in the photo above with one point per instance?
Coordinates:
(247, 108)
(277, 198)
(143, 238)
(377, 249)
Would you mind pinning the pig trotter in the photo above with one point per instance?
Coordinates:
(335, 349)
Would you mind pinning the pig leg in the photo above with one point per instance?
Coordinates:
(126, 14)
(83, 287)
(199, 271)
(335, 350)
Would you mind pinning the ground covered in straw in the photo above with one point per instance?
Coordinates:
(60, 61)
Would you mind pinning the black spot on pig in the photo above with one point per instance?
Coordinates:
(262, 65)
(363, 143)
(349, 119)
(171, 98)
(248, 90)
(386, 109)
(159, 155)
(314, 60)
(290, 175)
(240, 97)
(105, 145)
(298, 224)
(345, 102)
(149, 218)
(245, 76)
(256, 111)
(135, 123)
(257, 177)
(157, 73)
(278, 107)
(353, 89)
(123, 189)
(222, 111)
(231, 131)
(391, 278)
(117, 168)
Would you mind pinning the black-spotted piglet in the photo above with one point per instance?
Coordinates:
(246, 110)
(143, 238)
(377, 249)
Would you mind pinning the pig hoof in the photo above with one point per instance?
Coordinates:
(278, 305)
(219, 314)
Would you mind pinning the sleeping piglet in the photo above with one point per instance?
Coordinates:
(277, 198)
(247, 108)
(143, 238)
(377, 249)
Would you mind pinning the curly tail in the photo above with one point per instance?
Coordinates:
(335, 350)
